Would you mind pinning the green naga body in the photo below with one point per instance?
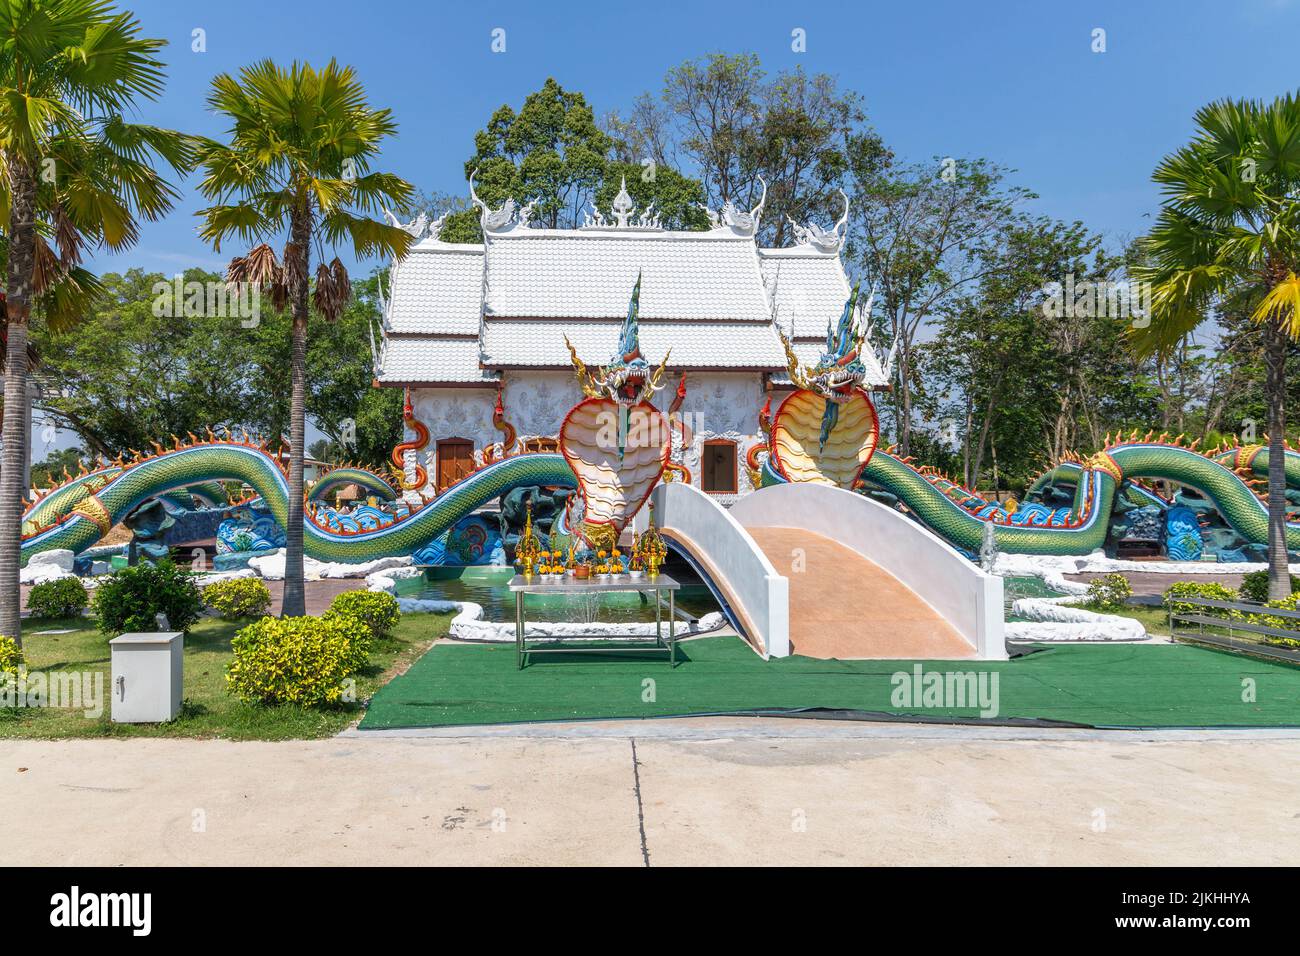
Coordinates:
(81, 517)
(77, 515)
(1097, 482)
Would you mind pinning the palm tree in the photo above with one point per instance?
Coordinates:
(298, 161)
(75, 173)
(1230, 225)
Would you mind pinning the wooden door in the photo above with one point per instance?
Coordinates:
(455, 461)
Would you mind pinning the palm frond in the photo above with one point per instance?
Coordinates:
(1282, 306)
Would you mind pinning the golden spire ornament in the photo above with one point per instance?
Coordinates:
(529, 548)
(650, 548)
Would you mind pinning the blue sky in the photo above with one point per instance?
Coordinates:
(1015, 82)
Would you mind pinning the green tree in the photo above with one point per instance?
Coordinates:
(922, 234)
(715, 105)
(131, 373)
(57, 466)
(551, 151)
(76, 172)
(298, 162)
(141, 366)
(812, 137)
(363, 422)
(734, 126)
(1228, 226)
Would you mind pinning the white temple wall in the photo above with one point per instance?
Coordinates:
(718, 405)
(448, 413)
(536, 402)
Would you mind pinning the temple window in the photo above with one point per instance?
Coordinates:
(718, 467)
(541, 444)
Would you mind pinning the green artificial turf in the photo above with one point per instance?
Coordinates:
(1125, 686)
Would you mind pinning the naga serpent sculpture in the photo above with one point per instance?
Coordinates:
(398, 457)
(616, 442)
(506, 445)
(678, 428)
(825, 431)
(76, 518)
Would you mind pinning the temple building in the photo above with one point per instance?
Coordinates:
(466, 324)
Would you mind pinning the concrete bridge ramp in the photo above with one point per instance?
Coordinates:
(822, 572)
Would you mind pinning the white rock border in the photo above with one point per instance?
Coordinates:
(1042, 564)
(1051, 621)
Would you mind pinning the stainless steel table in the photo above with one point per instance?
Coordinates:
(571, 585)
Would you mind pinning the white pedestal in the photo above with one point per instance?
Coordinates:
(148, 677)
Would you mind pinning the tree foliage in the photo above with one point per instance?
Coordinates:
(133, 373)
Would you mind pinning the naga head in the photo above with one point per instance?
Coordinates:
(628, 378)
(840, 372)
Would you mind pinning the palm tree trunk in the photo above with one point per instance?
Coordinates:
(18, 297)
(295, 596)
(1279, 575)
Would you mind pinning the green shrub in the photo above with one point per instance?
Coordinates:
(131, 599)
(238, 598)
(296, 660)
(1254, 586)
(1206, 590)
(11, 656)
(378, 610)
(62, 597)
(1110, 592)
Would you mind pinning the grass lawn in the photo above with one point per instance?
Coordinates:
(1119, 685)
(208, 710)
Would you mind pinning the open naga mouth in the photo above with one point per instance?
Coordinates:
(627, 384)
(836, 382)
(837, 385)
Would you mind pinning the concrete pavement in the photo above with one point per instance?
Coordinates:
(698, 791)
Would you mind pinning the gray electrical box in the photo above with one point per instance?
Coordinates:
(148, 677)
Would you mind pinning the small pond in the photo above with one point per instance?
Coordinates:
(1014, 588)
(487, 586)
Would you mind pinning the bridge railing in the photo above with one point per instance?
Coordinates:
(758, 595)
(959, 591)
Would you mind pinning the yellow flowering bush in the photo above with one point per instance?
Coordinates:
(378, 610)
(1208, 590)
(238, 598)
(1280, 623)
(11, 656)
(297, 660)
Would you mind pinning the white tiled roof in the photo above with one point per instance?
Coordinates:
(810, 288)
(588, 274)
(511, 343)
(405, 359)
(708, 296)
(437, 289)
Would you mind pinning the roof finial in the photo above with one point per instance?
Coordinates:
(623, 205)
(823, 240)
(492, 220)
